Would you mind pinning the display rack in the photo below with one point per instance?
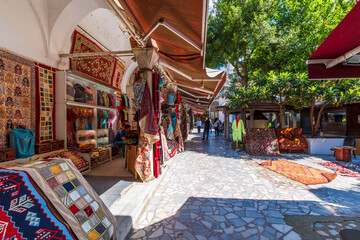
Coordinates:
(62, 104)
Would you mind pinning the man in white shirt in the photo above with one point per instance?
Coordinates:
(199, 125)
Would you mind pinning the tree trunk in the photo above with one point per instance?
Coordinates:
(312, 109)
(318, 120)
(281, 115)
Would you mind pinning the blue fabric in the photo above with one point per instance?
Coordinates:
(170, 128)
(120, 135)
(23, 140)
(173, 119)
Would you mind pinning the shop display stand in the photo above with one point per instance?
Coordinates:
(62, 104)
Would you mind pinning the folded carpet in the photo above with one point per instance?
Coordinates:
(298, 172)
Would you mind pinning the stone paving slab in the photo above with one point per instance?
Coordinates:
(212, 192)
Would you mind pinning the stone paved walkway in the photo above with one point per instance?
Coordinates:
(212, 192)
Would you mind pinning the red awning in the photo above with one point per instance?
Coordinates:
(331, 60)
(178, 31)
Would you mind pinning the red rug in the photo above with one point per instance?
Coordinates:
(298, 172)
(343, 168)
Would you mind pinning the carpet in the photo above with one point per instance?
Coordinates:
(343, 168)
(291, 139)
(25, 213)
(17, 94)
(79, 161)
(73, 197)
(45, 103)
(105, 70)
(298, 172)
(262, 141)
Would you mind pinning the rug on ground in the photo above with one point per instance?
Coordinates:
(343, 168)
(261, 141)
(298, 172)
(73, 197)
(25, 213)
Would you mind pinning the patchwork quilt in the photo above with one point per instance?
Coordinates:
(79, 161)
(25, 213)
(261, 141)
(73, 197)
(45, 115)
(291, 139)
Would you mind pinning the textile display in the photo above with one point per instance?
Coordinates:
(164, 146)
(79, 93)
(23, 140)
(70, 129)
(70, 91)
(184, 121)
(79, 161)
(89, 96)
(73, 197)
(45, 95)
(143, 165)
(291, 139)
(25, 213)
(261, 141)
(106, 99)
(101, 69)
(17, 98)
(138, 88)
(298, 172)
(147, 121)
(343, 168)
(238, 130)
(118, 74)
(100, 99)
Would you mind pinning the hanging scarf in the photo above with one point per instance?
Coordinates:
(70, 130)
(147, 117)
(164, 146)
(139, 87)
(90, 116)
(143, 165)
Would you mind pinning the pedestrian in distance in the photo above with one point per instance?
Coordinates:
(199, 125)
(206, 128)
(217, 127)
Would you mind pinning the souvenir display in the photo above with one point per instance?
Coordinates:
(89, 96)
(70, 91)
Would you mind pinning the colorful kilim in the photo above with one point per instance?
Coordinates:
(24, 212)
(343, 168)
(102, 68)
(45, 89)
(298, 172)
(291, 139)
(73, 197)
(142, 166)
(118, 74)
(261, 141)
(79, 161)
(17, 94)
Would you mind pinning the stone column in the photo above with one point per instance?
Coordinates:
(146, 59)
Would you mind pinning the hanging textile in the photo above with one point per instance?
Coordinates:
(238, 130)
(17, 101)
(70, 129)
(90, 116)
(143, 165)
(139, 87)
(118, 74)
(45, 103)
(147, 116)
(164, 146)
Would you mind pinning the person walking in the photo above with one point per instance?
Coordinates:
(206, 128)
(199, 124)
(217, 127)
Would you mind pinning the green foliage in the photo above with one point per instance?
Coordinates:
(273, 35)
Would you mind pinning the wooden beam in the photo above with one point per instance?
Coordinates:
(128, 53)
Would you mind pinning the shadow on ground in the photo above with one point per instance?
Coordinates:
(221, 218)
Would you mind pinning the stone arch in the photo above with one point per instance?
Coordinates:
(127, 76)
(66, 22)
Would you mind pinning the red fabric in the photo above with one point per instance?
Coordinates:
(237, 122)
(345, 37)
(291, 139)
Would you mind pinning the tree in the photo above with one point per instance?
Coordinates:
(274, 35)
(319, 94)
